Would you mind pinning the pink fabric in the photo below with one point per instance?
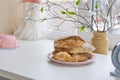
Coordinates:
(34, 1)
(99, 19)
(8, 41)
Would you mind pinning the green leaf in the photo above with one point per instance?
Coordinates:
(63, 12)
(82, 28)
(41, 9)
(96, 6)
(43, 20)
(77, 2)
(71, 13)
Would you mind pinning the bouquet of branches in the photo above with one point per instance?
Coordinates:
(93, 14)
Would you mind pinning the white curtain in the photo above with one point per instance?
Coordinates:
(31, 28)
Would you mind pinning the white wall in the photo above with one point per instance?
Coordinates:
(11, 13)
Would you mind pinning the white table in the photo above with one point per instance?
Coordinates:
(30, 60)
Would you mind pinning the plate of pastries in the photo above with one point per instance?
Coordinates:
(72, 50)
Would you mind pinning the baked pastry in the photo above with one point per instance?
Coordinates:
(79, 57)
(63, 56)
(68, 42)
(72, 48)
(73, 45)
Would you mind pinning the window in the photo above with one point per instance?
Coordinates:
(116, 18)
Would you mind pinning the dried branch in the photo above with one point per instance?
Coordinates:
(109, 10)
(78, 18)
(74, 19)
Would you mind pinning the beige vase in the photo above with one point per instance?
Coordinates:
(100, 42)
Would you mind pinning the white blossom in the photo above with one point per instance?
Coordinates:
(91, 12)
(84, 1)
(106, 2)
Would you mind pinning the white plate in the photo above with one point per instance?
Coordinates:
(71, 63)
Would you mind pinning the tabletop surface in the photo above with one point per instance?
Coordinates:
(30, 60)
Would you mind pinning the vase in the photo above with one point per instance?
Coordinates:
(100, 42)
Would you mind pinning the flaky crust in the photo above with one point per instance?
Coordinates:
(79, 58)
(65, 56)
(68, 42)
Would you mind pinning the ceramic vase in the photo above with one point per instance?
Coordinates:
(100, 42)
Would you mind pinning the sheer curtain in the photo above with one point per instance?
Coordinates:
(31, 28)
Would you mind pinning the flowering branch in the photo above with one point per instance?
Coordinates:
(56, 10)
(109, 10)
(105, 17)
(69, 14)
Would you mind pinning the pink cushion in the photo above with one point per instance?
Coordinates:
(8, 41)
